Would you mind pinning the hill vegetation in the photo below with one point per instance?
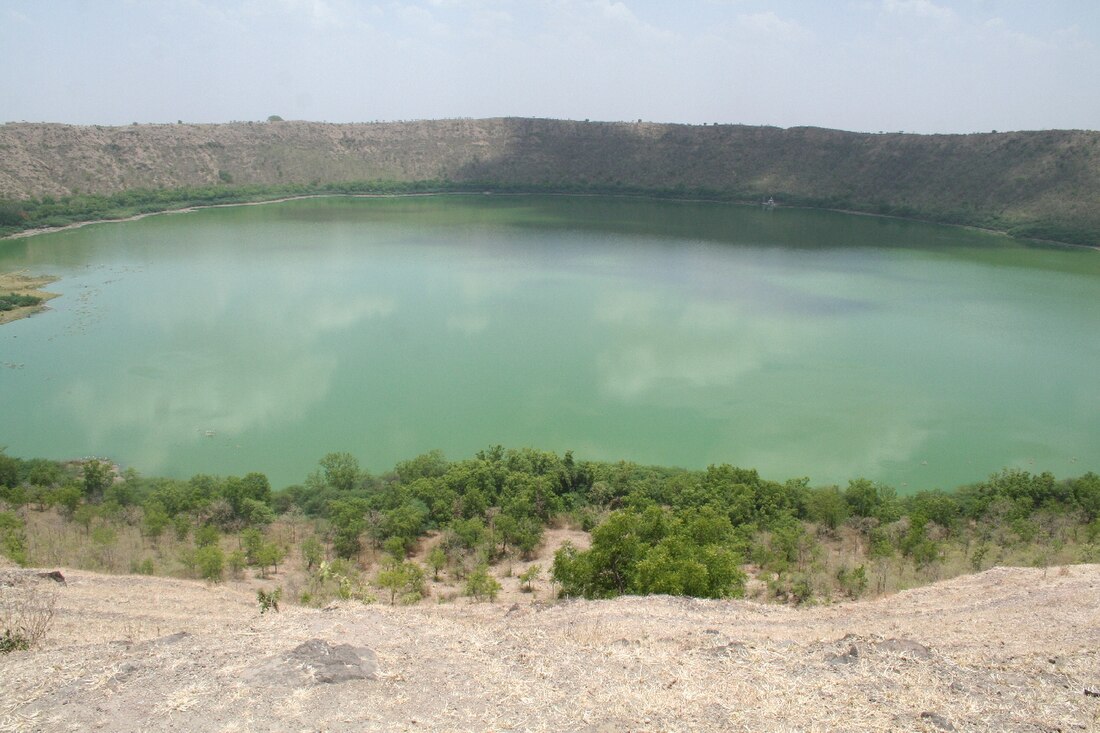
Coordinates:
(359, 602)
(719, 533)
(1040, 184)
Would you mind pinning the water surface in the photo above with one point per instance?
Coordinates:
(800, 343)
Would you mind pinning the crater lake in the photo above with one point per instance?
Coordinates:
(797, 342)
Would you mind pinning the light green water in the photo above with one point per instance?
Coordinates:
(800, 343)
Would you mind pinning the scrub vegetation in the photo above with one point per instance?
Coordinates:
(434, 527)
(1037, 184)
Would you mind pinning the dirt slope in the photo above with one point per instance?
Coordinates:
(1008, 650)
(1042, 183)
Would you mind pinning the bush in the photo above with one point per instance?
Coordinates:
(210, 561)
(26, 613)
(269, 600)
(654, 551)
(13, 538)
(313, 552)
(481, 585)
(12, 301)
(529, 576)
(852, 582)
(404, 580)
(145, 567)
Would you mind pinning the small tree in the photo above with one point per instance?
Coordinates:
(529, 576)
(402, 579)
(13, 538)
(236, 562)
(437, 559)
(395, 546)
(97, 477)
(481, 585)
(206, 535)
(269, 555)
(155, 519)
(210, 561)
(313, 552)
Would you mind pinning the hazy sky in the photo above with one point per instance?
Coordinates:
(868, 65)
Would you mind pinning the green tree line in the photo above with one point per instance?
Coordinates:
(653, 529)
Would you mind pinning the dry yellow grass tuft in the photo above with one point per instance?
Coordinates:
(1007, 649)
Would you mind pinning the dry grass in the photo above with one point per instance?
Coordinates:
(27, 607)
(1007, 649)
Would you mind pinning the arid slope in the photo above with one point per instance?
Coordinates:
(1006, 650)
(1043, 183)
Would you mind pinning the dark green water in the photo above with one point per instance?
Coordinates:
(796, 342)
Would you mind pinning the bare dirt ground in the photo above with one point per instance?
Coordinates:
(1004, 650)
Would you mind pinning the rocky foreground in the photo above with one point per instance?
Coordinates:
(1004, 650)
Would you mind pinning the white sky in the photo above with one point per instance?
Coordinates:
(866, 65)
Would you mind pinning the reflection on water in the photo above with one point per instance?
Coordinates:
(799, 343)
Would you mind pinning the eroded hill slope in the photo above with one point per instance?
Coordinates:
(1043, 183)
(1008, 650)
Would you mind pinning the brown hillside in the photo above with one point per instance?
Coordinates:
(1005, 650)
(1043, 183)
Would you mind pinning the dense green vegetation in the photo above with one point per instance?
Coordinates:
(653, 529)
(11, 301)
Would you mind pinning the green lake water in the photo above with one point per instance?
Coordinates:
(800, 343)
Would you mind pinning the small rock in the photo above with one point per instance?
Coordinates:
(1092, 691)
(907, 647)
(937, 721)
(334, 664)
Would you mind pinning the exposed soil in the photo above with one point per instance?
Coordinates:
(1039, 182)
(1007, 650)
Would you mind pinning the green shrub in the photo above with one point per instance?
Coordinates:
(269, 600)
(313, 552)
(481, 585)
(852, 582)
(437, 559)
(144, 567)
(404, 580)
(210, 561)
(12, 301)
(529, 576)
(13, 538)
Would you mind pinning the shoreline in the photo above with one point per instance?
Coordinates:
(282, 199)
(20, 283)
